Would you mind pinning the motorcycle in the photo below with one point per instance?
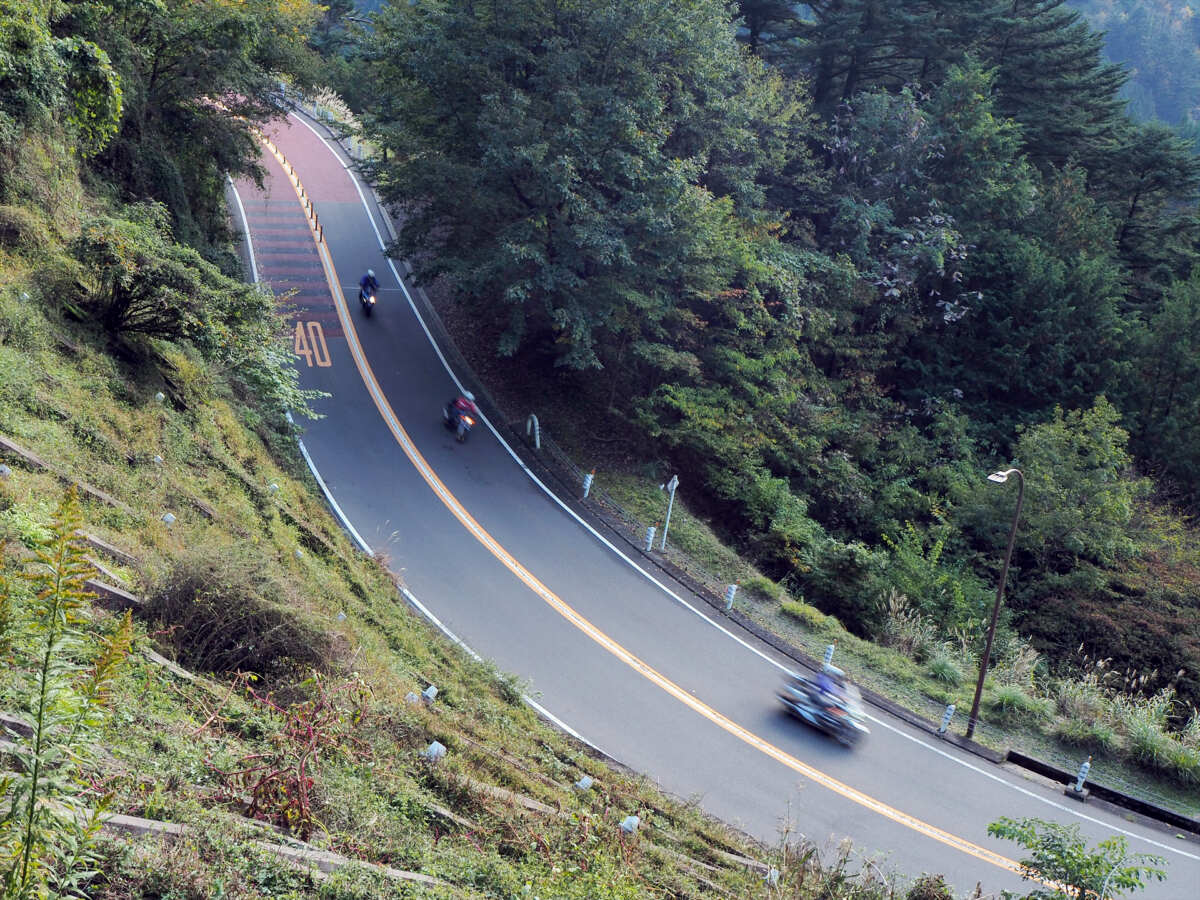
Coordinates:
(457, 421)
(366, 299)
(838, 713)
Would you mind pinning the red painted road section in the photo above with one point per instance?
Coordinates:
(287, 258)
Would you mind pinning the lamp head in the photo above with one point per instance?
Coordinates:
(1001, 477)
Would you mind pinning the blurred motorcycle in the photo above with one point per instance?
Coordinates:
(830, 704)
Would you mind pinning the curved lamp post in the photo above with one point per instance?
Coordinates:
(999, 478)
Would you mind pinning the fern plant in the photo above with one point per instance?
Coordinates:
(46, 829)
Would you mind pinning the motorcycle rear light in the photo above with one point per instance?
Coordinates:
(468, 420)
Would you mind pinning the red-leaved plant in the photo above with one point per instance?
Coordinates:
(277, 785)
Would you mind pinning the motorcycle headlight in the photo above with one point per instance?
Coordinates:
(468, 420)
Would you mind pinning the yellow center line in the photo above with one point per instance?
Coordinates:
(571, 615)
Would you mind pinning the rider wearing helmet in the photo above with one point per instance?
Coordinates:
(368, 284)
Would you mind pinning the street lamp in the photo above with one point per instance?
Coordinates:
(998, 478)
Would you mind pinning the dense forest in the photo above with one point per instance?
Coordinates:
(838, 260)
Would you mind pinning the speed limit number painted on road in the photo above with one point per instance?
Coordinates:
(310, 344)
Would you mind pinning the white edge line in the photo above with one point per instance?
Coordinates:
(428, 614)
(365, 547)
(651, 578)
(1061, 807)
(245, 229)
(312, 466)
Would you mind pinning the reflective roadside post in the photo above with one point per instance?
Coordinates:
(998, 478)
(669, 487)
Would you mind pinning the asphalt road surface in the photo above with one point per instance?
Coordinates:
(625, 658)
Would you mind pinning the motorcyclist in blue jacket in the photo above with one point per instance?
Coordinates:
(368, 285)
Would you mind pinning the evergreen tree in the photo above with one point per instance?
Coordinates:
(1052, 78)
(1164, 392)
(577, 168)
(767, 26)
(1149, 181)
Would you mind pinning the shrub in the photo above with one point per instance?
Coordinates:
(930, 887)
(1059, 855)
(845, 580)
(1150, 745)
(1090, 734)
(1190, 735)
(808, 616)
(764, 587)
(945, 669)
(945, 594)
(22, 325)
(19, 228)
(1082, 700)
(1184, 763)
(1010, 704)
(905, 629)
(221, 612)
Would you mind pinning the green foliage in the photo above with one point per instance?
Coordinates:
(764, 587)
(142, 283)
(31, 84)
(845, 580)
(1010, 704)
(808, 616)
(44, 78)
(224, 614)
(95, 94)
(195, 79)
(1094, 736)
(930, 887)
(573, 193)
(46, 830)
(945, 669)
(950, 597)
(1060, 857)
(1079, 493)
(1164, 398)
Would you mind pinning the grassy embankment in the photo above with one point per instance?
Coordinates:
(251, 578)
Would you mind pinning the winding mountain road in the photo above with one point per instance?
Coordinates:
(623, 657)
